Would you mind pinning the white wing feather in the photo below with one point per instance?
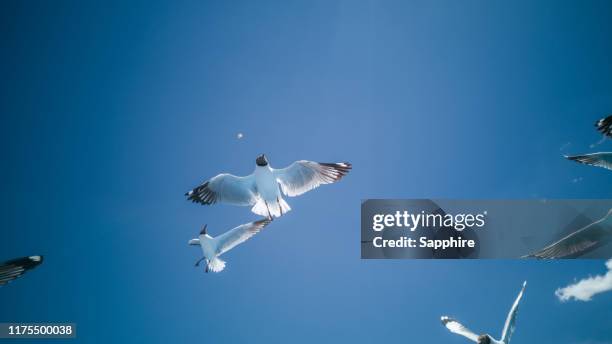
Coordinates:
(594, 159)
(578, 242)
(238, 235)
(455, 327)
(510, 324)
(303, 175)
(225, 188)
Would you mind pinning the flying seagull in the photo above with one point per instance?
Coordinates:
(579, 242)
(604, 126)
(14, 268)
(603, 159)
(262, 189)
(213, 247)
(455, 327)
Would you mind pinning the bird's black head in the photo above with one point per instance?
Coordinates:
(484, 339)
(261, 160)
(203, 231)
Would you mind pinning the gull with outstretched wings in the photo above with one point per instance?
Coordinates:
(264, 188)
(15, 268)
(579, 242)
(509, 326)
(213, 247)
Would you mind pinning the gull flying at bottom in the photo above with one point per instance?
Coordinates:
(579, 242)
(213, 247)
(455, 327)
(15, 268)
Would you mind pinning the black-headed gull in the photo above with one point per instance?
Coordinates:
(604, 126)
(15, 268)
(579, 242)
(213, 247)
(262, 189)
(456, 327)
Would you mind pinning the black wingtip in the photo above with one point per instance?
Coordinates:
(604, 126)
(263, 222)
(202, 194)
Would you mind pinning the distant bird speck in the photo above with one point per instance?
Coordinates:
(239, 136)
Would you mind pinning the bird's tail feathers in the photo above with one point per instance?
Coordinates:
(274, 209)
(216, 264)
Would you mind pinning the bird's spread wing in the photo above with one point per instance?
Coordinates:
(303, 175)
(511, 319)
(594, 159)
(238, 235)
(604, 125)
(577, 242)
(17, 267)
(455, 327)
(225, 188)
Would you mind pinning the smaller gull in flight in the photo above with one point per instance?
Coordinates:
(15, 268)
(456, 327)
(579, 242)
(213, 247)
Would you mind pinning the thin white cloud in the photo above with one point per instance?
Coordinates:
(585, 289)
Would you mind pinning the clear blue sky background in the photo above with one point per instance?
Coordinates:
(110, 111)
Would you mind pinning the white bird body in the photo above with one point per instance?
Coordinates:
(509, 326)
(271, 202)
(264, 188)
(213, 247)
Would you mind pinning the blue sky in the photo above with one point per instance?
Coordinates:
(111, 111)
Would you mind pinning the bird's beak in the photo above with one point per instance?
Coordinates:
(203, 231)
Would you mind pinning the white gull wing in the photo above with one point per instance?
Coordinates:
(225, 188)
(602, 159)
(604, 126)
(304, 175)
(510, 324)
(15, 268)
(238, 235)
(455, 327)
(578, 242)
